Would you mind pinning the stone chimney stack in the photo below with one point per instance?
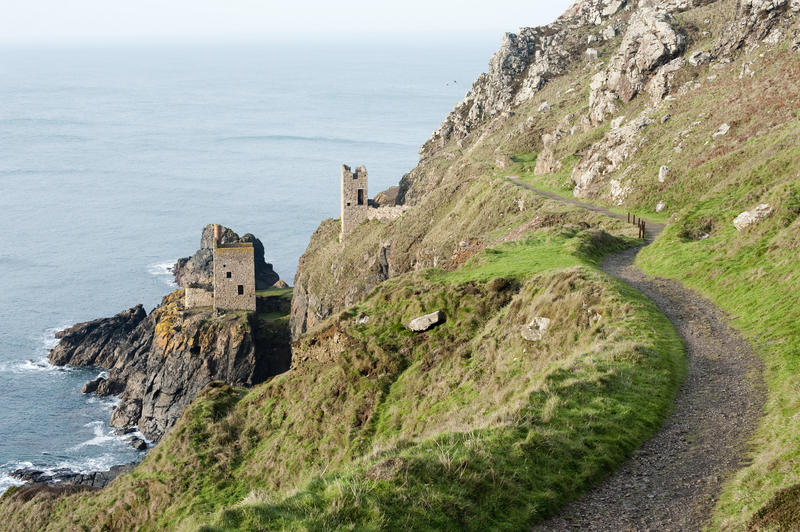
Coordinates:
(217, 234)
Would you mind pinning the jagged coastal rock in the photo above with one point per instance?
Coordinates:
(95, 479)
(157, 364)
(199, 267)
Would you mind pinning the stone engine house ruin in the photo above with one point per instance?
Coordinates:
(234, 281)
(354, 198)
(356, 207)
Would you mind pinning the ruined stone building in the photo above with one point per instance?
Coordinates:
(234, 281)
(355, 201)
(356, 206)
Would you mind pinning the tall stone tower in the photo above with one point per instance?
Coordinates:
(354, 199)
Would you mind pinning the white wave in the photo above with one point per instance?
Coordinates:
(48, 337)
(108, 403)
(32, 365)
(6, 481)
(102, 435)
(163, 270)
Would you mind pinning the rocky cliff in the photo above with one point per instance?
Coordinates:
(158, 363)
(199, 268)
(590, 98)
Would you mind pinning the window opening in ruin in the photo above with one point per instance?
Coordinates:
(348, 203)
(228, 275)
(240, 288)
(361, 196)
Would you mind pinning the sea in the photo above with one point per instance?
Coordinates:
(112, 159)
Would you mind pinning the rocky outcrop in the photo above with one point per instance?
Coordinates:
(199, 268)
(547, 162)
(606, 157)
(526, 61)
(757, 20)
(159, 363)
(387, 198)
(93, 343)
(650, 41)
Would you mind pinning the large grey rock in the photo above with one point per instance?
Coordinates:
(536, 329)
(748, 218)
(650, 41)
(722, 131)
(426, 322)
(700, 58)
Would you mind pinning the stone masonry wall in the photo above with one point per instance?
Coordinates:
(353, 211)
(386, 214)
(198, 297)
(234, 266)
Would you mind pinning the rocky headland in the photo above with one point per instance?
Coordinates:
(158, 363)
(471, 364)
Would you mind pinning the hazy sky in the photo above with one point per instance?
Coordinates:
(81, 21)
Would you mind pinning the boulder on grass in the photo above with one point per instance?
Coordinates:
(426, 322)
(535, 330)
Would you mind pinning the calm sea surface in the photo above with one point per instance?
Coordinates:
(113, 160)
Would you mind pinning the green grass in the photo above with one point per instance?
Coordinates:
(560, 248)
(276, 292)
(466, 426)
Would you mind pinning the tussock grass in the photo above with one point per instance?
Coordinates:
(466, 426)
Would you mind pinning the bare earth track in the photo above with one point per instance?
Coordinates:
(672, 481)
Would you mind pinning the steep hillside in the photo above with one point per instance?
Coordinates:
(682, 110)
(467, 425)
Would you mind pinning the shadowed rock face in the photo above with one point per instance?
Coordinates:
(159, 363)
(199, 268)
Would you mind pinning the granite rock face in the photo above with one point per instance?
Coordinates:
(199, 268)
(606, 157)
(757, 20)
(159, 363)
(525, 62)
(650, 41)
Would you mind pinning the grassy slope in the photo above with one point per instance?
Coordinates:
(466, 426)
(749, 274)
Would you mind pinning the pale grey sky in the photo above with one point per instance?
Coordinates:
(88, 21)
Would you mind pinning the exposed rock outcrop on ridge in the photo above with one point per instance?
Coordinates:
(159, 363)
(650, 41)
(523, 65)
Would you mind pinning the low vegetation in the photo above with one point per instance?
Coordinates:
(465, 426)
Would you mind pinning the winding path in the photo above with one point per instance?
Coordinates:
(672, 481)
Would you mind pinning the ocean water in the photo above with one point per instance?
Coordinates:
(113, 159)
